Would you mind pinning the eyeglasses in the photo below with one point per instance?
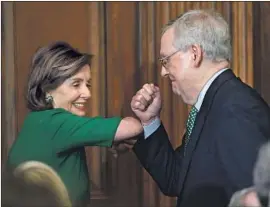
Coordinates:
(165, 60)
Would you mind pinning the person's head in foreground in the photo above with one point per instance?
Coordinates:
(33, 184)
(259, 194)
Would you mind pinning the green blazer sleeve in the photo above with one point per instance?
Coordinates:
(71, 131)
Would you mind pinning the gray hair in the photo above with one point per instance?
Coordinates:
(205, 28)
(237, 197)
(261, 173)
(261, 178)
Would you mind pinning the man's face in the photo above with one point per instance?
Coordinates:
(177, 65)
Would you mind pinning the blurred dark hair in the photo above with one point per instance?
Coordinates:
(51, 66)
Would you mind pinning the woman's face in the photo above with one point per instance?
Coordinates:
(74, 93)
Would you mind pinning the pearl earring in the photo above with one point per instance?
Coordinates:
(49, 99)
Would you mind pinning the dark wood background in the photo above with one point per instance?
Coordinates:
(124, 37)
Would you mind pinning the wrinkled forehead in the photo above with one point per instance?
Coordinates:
(166, 44)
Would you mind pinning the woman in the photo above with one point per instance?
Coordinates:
(56, 130)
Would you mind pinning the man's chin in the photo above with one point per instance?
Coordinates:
(178, 93)
(175, 91)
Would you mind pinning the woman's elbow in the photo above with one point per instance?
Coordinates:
(128, 128)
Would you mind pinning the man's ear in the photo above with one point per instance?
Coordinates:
(197, 54)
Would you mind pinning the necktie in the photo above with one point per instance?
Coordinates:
(190, 123)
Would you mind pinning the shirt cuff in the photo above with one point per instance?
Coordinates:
(151, 128)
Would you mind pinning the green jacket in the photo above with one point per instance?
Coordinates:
(57, 137)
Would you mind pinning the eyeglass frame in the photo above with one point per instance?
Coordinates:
(161, 60)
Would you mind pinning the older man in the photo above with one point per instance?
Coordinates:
(227, 124)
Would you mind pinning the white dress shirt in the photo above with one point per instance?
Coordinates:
(153, 126)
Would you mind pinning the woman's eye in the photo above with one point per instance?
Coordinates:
(76, 85)
(88, 85)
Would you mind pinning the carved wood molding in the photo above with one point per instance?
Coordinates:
(96, 156)
(261, 16)
(9, 124)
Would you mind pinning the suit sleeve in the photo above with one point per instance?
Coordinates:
(239, 135)
(158, 157)
(71, 131)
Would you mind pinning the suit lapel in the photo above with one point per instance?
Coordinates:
(200, 119)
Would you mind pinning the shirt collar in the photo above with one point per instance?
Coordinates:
(202, 93)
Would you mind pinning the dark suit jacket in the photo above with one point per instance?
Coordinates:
(233, 122)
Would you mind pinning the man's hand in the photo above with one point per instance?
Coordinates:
(146, 104)
(122, 147)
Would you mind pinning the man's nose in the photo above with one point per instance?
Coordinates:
(164, 71)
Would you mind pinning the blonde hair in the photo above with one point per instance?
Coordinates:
(40, 174)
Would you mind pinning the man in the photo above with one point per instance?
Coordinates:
(227, 124)
(259, 194)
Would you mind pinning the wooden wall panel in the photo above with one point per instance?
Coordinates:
(8, 91)
(96, 156)
(149, 71)
(162, 17)
(37, 24)
(242, 40)
(261, 58)
(121, 65)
